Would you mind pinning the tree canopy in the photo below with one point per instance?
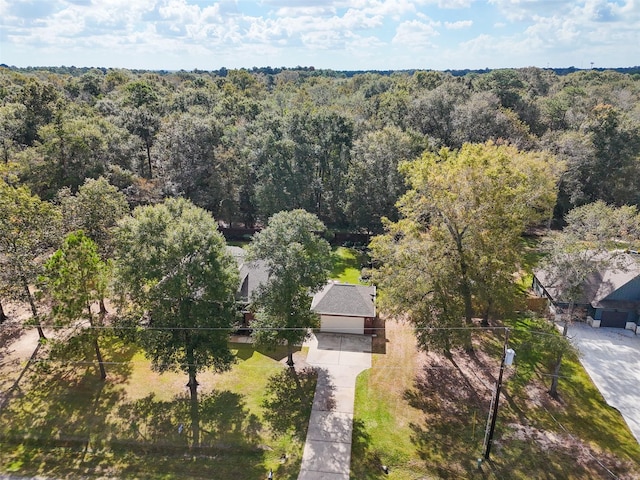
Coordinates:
(298, 261)
(76, 277)
(589, 243)
(178, 279)
(29, 228)
(248, 144)
(457, 245)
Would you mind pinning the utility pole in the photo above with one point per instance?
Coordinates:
(507, 359)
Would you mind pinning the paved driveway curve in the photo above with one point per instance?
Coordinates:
(339, 359)
(611, 356)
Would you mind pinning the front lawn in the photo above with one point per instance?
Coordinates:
(63, 422)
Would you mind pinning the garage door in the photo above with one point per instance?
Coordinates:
(614, 319)
(340, 324)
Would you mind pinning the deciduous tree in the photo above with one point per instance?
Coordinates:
(298, 261)
(29, 227)
(173, 266)
(580, 250)
(95, 210)
(458, 241)
(374, 182)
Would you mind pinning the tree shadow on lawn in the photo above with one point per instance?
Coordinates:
(225, 423)
(245, 351)
(54, 424)
(450, 438)
(143, 438)
(451, 435)
(363, 460)
(151, 439)
(6, 396)
(578, 400)
(62, 411)
(289, 400)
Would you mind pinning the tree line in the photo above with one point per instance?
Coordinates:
(247, 144)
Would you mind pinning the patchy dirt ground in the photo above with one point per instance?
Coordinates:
(533, 428)
(17, 346)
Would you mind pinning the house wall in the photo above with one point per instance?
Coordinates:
(538, 288)
(342, 324)
(628, 292)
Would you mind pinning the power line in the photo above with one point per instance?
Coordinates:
(305, 328)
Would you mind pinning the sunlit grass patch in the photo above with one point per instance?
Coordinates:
(347, 264)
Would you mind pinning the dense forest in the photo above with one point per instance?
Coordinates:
(246, 144)
(445, 170)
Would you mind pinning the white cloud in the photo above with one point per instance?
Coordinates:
(458, 25)
(414, 33)
(455, 4)
(522, 10)
(357, 33)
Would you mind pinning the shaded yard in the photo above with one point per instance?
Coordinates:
(63, 422)
(424, 416)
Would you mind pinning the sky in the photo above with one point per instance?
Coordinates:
(331, 34)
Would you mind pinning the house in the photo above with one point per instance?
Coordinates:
(610, 297)
(252, 275)
(346, 308)
(343, 307)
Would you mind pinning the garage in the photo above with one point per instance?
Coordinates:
(345, 307)
(613, 319)
(341, 324)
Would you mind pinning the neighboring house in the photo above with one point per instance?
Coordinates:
(611, 297)
(343, 307)
(346, 308)
(252, 274)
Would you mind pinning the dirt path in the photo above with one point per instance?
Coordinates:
(17, 347)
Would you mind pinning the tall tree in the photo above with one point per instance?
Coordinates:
(141, 116)
(12, 128)
(40, 101)
(188, 143)
(76, 277)
(95, 210)
(173, 266)
(462, 221)
(298, 261)
(321, 141)
(28, 229)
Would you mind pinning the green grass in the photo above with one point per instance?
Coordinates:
(383, 420)
(347, 264)
(426, 418)
(64, 422)
(531, 256)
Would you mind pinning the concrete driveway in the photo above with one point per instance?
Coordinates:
(611, 356)
(339, 359)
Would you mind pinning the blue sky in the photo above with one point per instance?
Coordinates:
(340, 35)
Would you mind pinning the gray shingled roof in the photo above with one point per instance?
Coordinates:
(252, 275)
(599, 284)
(345, 299)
